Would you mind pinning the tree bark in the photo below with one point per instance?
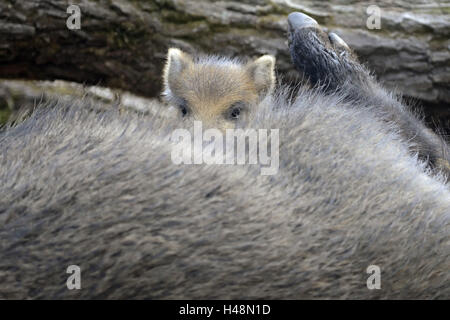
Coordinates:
(18, 98)
(122, 43)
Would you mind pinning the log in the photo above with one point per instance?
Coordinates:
(18, 98)
(122, 44)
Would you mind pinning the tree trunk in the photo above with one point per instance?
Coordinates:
(122, 44)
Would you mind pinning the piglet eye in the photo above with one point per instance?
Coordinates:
(234, 112)
(183, 108)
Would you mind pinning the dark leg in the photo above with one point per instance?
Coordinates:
(327, 61)
(323, 59)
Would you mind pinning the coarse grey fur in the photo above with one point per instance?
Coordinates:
(99, 190)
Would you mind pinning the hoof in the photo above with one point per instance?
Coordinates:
(297, 20)
(337, 41)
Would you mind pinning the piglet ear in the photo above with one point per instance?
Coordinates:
(177, 61)
(262, 72)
